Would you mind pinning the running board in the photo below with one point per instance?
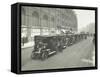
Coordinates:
(52, 52)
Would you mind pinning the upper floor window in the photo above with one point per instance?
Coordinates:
(35, 14)
(45, 17)
(23, 11)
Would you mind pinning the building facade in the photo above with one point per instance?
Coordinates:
(46, 21)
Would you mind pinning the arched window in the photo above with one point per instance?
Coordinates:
(23, 11)
(35, 14)
(52, 18)
(45, 17)
(35, 18)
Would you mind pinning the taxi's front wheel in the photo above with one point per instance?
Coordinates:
(44, 56)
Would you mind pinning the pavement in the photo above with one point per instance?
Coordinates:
(80, 54)
(26, 45)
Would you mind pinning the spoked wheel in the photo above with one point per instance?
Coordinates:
(44, 56)
(32, 55)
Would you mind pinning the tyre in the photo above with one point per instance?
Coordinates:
(32, 56)
(44, 55)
